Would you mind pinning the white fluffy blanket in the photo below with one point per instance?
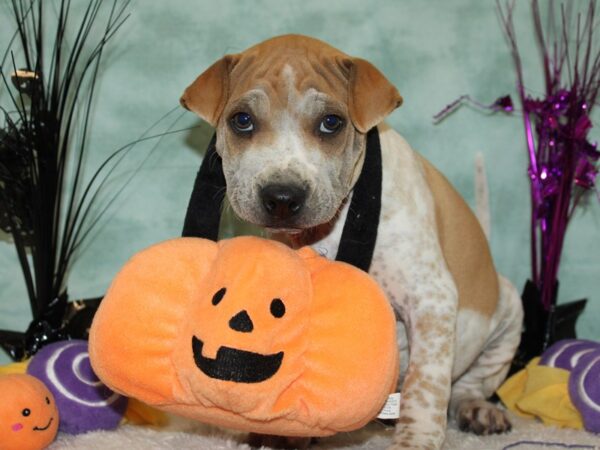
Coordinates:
(185, 435)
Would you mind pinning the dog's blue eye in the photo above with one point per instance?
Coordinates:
(330, 124)
(242, 122)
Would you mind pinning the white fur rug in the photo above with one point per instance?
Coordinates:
(185, 435)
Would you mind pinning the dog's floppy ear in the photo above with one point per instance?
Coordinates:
(207, 95)
(371, 96)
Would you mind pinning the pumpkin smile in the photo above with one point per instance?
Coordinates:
(236, 365)
(44, 428)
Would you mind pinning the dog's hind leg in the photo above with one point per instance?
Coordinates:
(468, 404)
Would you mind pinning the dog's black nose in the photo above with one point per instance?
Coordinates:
(282, 201)
(241, 322)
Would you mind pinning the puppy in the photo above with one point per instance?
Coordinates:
(291, 117)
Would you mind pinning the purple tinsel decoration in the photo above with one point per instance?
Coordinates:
(563, 164)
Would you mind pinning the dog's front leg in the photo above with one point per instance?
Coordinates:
(430, 323)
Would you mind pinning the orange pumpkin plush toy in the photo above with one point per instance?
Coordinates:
(28, 414)
(248, 334)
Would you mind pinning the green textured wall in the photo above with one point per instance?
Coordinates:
(432, 50)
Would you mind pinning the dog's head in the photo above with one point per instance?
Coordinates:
(291, 115)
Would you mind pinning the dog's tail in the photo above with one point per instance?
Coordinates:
(482, 195)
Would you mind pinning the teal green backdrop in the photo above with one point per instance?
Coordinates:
(433, 51)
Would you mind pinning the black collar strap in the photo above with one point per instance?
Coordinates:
(360, 230)
(204, 209)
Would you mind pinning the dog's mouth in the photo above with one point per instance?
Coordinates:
(44, 428)
(236, 365)
(284, 230)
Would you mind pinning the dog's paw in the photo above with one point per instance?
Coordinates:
(256, 440)
(481, 417)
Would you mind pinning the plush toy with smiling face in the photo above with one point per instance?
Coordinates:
(28, 413)
(248, 334)
(85, 404)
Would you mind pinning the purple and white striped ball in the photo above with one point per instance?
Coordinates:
(83, 401)
(584, 389)
(566, 354)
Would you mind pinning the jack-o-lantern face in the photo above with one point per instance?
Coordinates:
(28, 414)
(248, 334)
(237, 365)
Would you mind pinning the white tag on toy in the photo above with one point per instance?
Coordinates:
(391, 409)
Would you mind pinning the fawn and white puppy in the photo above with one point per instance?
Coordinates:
(291, 116)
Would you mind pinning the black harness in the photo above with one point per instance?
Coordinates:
(360, 230)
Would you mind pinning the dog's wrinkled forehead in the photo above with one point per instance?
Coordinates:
(273, 67)
(282, 71)
(289, 86)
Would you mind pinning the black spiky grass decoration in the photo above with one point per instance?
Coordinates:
(49, 76)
